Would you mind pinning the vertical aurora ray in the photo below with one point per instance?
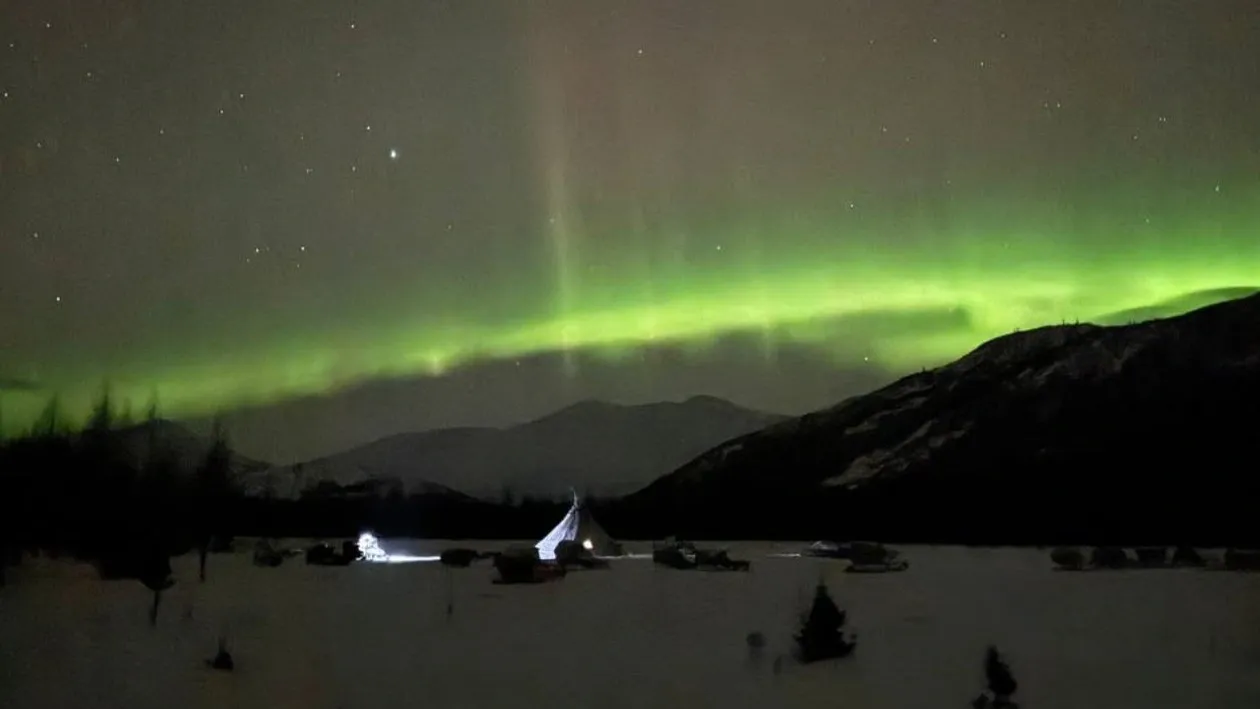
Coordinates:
(545, 72)
(562, 226)
(753, 264)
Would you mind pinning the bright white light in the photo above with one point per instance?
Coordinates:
(586, 544)
(371, 549)
(393, 154)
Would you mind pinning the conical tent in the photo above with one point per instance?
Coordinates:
(578, 526)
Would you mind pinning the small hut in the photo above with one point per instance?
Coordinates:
(1151, 557)
(1068, 558)
(1109, 558)
(1187, 556)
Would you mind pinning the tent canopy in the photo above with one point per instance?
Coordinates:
(578, 526)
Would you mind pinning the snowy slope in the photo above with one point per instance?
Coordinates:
(1108, 407)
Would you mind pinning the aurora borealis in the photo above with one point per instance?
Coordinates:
(251, 204)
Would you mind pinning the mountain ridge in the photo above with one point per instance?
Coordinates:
(600, 447)
(1051, 404)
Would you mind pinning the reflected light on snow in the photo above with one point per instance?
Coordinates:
(408, 559)
(370, 549)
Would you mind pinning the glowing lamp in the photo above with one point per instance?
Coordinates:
(587, 545)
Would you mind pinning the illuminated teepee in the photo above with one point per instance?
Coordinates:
(578, 526)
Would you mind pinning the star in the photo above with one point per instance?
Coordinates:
(393, 154)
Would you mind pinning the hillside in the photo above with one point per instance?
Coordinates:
(597, 447)
(187, 449)
(1082, 431)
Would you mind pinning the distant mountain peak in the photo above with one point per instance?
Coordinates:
(172, 438)
(709, 400)
(584, 407)
(603, 408)
(597, 446)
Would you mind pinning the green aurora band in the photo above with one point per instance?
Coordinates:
(880, 290)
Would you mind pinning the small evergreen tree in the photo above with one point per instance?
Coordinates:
(48, 424)
(213, 492)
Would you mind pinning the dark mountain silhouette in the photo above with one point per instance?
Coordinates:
(1084, 432)
(598, 447)
(185, 449)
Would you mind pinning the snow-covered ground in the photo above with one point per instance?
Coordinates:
(636, 635)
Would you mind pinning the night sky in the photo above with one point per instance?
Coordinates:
(344, 219)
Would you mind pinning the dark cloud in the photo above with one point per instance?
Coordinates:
(883, 323)
(11, 384)
(748, 370)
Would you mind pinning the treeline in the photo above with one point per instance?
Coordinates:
(86, 493)
(115, 492)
